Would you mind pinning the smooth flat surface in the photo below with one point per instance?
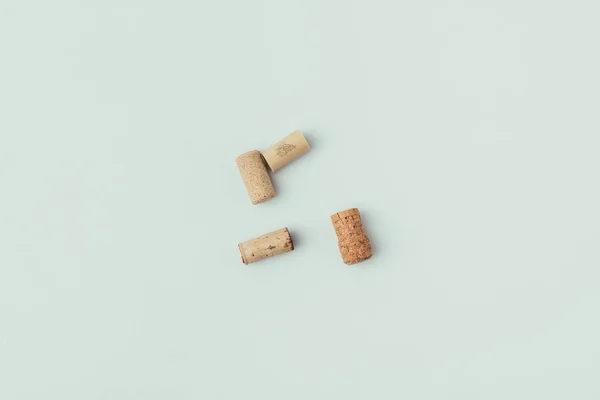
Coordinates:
(467, 133)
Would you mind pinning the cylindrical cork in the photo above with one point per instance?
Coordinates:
(268, 245)
(286, 150)
(255, 176)
(353, 241)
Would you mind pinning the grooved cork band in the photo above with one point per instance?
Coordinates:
(286, 150)
(268, 245)
(353, 241)
(255, 176)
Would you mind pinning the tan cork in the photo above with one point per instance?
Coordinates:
(268, 245)
(286, 150)
(255, 176)
(353, 241)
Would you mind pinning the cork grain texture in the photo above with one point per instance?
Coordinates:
(255, 176)
(353, 242)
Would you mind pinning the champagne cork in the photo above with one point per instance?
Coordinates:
(353, 241)
(286, 150)
(255, 176)
(268, 245)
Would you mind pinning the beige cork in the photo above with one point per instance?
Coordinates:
(255, 176)
(268, 245)
(353, 241)
(286, 150)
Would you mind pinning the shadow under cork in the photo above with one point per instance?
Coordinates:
(311, 139)
(273, 182)
(270, 173)
(297, 238)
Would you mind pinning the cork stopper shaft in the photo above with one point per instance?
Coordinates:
(268, 245)
(255, 176)
(353, 241)
(286, 150)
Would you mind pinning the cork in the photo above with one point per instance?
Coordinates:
(353, 241)
(268, 245)
(255, 176)
(286, 150)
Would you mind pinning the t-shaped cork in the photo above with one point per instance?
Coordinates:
(353, 241)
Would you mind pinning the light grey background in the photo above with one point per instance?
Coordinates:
(467, 132)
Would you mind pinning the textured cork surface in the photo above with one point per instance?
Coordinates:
(353, 242)
(286, 150)
(256, 177)
(268, 245)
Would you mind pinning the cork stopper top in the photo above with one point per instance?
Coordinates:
(344, 214)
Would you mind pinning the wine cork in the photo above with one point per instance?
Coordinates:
(255, 176)
(353, 241)
(286, 150)
(264, 246)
